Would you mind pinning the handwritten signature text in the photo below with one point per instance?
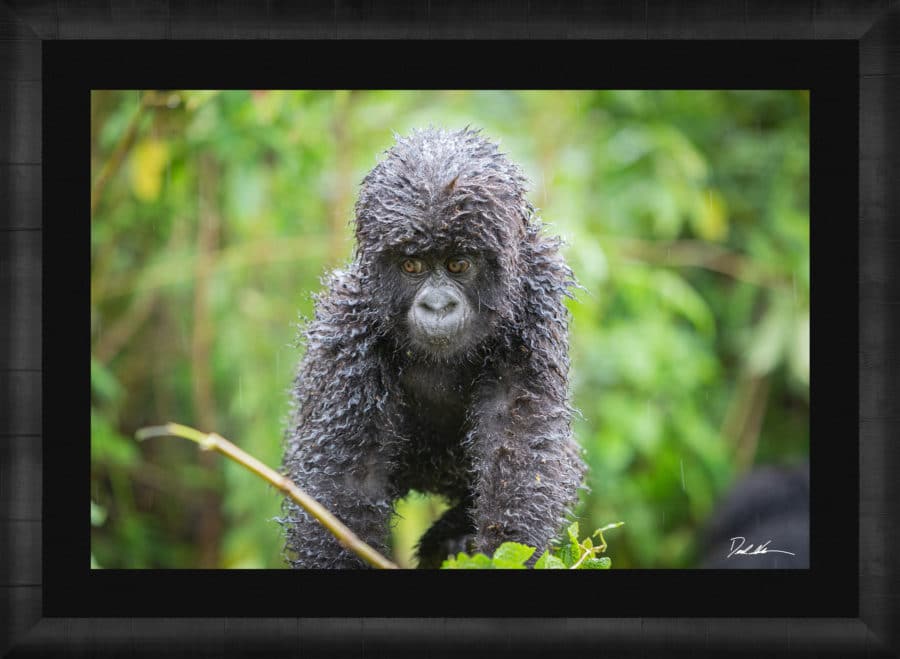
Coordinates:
(737, 547)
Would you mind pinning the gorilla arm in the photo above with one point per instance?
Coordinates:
(528, 468)
(333, 448)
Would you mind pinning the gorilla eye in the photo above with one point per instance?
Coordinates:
(457, 266)
(413, 266)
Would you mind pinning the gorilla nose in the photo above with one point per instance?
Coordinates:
(438, 303)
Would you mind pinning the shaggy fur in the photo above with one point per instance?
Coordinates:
(489, 426)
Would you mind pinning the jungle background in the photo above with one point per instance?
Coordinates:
(215, 214)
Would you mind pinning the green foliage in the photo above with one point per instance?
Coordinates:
(98, 516)
(686, 215)
(570, 555)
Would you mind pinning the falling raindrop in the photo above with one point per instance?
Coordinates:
(682, 476)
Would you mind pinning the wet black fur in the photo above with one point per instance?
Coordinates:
(489, 426)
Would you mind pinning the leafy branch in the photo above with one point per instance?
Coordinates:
(574, 555)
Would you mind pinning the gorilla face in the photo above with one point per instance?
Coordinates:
(440, 225)
(443, 314)
(438, 303)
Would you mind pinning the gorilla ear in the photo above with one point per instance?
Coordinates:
(451, 186)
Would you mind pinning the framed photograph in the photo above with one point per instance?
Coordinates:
(703, 191)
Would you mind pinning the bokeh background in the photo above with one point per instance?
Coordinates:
(215, 214)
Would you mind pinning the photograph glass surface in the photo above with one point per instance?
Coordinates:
(684, 216)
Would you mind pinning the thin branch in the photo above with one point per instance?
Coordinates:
(209, 530)
(581, 560)
(177, 269)
(121, 150)
(111, 340)
(744, 418)
(695, 253)
(748, 441)
(214, 442)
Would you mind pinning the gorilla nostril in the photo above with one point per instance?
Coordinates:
(438, 304)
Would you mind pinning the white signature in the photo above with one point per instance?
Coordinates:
(737, 547)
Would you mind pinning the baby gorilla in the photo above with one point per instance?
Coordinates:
(438, 361)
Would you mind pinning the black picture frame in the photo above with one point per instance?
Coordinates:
(24, 512)
(72, 69)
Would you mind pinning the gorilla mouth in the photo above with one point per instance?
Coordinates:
(439, 344)
(437, 335)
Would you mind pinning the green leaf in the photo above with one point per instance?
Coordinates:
(103, 382)
(463, 561)
(602, 563)
(799, 355)
(548, 561)
(512, 556)
(575, 548)
(148, 164)
(479, 562)
(567, 556)
(98, 514)
(771, 336)
(710, 219)
(108, 445)
(677, 294)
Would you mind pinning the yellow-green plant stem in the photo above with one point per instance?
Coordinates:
(214, 442)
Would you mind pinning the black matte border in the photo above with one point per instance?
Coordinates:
(71, 69)
(872, 24)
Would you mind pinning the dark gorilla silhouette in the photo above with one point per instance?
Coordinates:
(769, 505)
(438, 361)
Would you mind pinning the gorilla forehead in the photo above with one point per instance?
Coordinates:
(442, 190)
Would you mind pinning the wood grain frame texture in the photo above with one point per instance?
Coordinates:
(875, 24)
